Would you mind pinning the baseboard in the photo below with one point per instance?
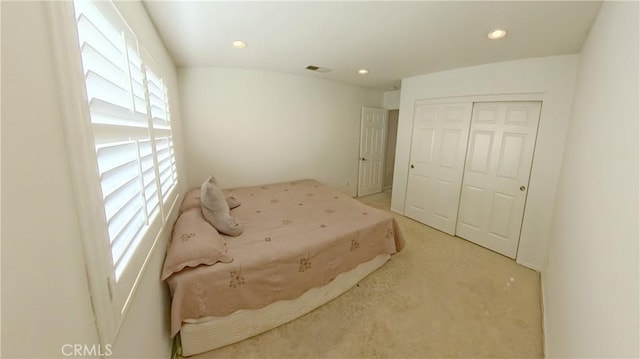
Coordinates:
(529, 265)
(544, 317)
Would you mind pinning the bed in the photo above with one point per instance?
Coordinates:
(303, 245)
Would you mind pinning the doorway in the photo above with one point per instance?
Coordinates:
(390, 155)
(373, 140)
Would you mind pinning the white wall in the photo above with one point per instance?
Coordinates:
(253, 127)
(553, 78)
(392, 100)
(45, 294)
(590, 283)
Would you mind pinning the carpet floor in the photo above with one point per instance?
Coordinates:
(441, 296)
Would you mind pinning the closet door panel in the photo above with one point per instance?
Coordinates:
(440, 135)
(496, 174)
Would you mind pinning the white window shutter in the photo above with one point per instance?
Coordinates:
(130, 121)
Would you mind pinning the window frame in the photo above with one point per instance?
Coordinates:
(83, 166)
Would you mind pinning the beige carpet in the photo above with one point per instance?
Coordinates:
(440, 297)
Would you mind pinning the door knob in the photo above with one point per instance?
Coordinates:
(363, 159)
(412, 166)
(522, 188)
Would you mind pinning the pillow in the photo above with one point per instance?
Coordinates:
(232, 201)
(192, 200)
(193, 242)
(216, 210)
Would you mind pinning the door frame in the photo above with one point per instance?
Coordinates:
(387, 149)
(384, 152)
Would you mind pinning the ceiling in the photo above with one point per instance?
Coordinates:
(393, 39)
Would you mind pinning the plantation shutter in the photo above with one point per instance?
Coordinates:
(130, 119)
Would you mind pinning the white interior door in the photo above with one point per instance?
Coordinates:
(373, 138)
(440, 134)
(496, 174)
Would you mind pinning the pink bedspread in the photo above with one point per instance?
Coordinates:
(297, 236)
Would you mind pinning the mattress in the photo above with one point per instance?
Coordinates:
(297, 236)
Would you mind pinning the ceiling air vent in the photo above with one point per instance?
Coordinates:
(317, 69)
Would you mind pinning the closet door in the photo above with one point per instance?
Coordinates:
(496, 174)
(440, 134)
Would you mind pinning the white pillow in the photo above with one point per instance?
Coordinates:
(215, 209)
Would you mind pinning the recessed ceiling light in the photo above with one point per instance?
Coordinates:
(239, 44)
(497, 34)
(363, 71)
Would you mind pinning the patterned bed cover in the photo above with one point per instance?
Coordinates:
(297, 236)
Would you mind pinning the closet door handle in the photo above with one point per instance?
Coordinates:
(522, 188)
(412, 166)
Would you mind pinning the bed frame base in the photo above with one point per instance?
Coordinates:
(201, 335)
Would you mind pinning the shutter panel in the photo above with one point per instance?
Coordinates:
(162, 131)
(149, 178)
(138, 89)
(130, 120)
(121, 182)
(103, 57)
